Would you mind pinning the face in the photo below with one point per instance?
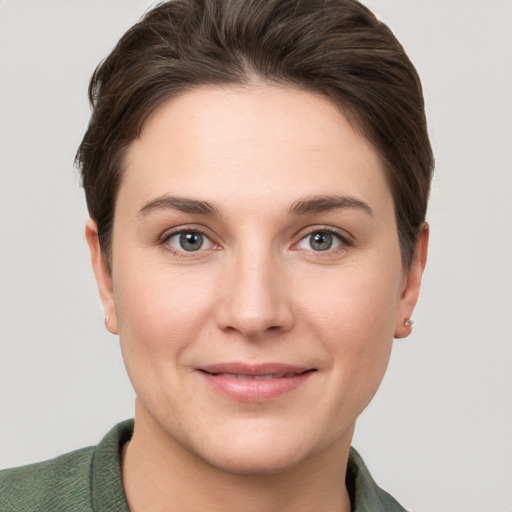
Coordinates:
(257, 282)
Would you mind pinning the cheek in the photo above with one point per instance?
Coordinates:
(354, 313)
(355, 300)
(160, 313)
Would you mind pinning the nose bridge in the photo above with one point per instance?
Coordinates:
(254, 298)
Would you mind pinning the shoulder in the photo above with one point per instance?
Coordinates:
(58, 484)
(81, 481)
(365, 494)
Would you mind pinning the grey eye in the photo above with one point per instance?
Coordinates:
(320, 241)
(189, 241)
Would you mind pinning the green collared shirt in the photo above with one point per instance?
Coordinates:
(89, 480)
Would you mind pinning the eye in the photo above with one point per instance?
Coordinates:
(189, 241)
(321, 241)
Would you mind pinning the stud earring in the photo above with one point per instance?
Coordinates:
(409, 322)
(107, 320)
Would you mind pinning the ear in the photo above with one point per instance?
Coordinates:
(411, 285)
(103, 276)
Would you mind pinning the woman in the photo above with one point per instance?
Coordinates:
(257, 174)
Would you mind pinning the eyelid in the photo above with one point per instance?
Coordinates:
(345, 237)
(342, 235)
(168, 234)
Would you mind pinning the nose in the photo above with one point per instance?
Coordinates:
(254, 299)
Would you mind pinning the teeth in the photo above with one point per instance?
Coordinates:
(256, 377)
(264, 377)
(242, 377)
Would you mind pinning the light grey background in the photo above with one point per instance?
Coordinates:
(439, 433)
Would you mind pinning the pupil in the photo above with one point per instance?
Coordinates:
(191, 241)
(321, 241)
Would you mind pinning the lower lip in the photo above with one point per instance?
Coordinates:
(252, 390)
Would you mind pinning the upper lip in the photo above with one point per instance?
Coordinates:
(239, 368)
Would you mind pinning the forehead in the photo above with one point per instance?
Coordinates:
(246, 143)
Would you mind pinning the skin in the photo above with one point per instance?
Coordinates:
(256, 292)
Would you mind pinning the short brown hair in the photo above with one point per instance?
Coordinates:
(334, 47)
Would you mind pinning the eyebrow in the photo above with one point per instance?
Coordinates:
(181, 204)
(313, 204)
(319, 204)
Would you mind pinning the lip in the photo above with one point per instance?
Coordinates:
(254, 383)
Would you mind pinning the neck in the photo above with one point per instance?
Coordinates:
(161, 475)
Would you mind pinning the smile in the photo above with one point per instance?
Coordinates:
(260, 383)
(257, 377)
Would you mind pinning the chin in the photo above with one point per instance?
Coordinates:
(257, 448)
(254, 460)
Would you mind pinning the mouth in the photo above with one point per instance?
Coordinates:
(269, 376)
(254, 383)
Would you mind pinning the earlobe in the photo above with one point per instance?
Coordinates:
(411, 289)
(103, 276)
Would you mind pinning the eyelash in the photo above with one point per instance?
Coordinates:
(164, 241)
(344, 240)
